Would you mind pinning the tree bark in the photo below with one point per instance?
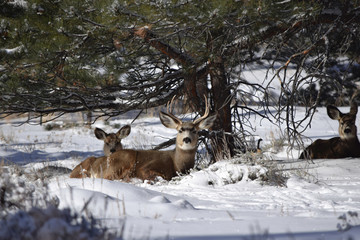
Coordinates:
(223, 143)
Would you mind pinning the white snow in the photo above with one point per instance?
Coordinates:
(11, 51)
(219, 202)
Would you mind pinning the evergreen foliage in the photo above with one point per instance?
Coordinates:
(110, 57)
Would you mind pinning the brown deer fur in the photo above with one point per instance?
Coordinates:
(347, 145)
(148, 164)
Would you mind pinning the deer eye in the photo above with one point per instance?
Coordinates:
(181, 130)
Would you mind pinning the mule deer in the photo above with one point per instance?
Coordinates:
(112, 141)
(347, 145)
(149, 164)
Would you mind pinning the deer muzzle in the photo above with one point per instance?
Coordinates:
(187, 140)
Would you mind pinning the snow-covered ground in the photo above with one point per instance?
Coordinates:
(223, 201)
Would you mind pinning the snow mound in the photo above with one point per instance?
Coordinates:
(113, 199)
(160, 199)
(223, 173)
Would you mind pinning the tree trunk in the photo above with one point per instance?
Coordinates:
(195, 86)
(223, 142)
(190, 91)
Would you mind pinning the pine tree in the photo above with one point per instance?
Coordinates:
(110, 57)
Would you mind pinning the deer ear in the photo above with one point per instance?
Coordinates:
(100, 134)
(169, 121)
(124, 132)
(333, 112)
(207, 122)
(354, 108)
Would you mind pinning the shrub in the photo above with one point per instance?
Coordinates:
(348, 220)
(49, 223)
(28, 211)
(18, 193)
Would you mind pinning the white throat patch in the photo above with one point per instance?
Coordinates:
(187, 146)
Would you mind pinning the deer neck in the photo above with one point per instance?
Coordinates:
(184, 160)
(353, 140)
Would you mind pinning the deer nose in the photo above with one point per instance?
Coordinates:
(187, 140)
(112, 150)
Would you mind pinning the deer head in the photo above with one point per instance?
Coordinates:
(187, 136)
(112, 141)
(347, 127)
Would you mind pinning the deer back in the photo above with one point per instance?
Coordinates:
(332, 148)
(83, 169)
(127, 163)
(142, 164)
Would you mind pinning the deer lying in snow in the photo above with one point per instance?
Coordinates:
(148, 164)
(347, 145)
(112, 141)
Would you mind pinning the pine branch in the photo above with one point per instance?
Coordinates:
(173, 53)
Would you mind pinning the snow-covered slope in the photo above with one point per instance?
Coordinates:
(227, 200)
